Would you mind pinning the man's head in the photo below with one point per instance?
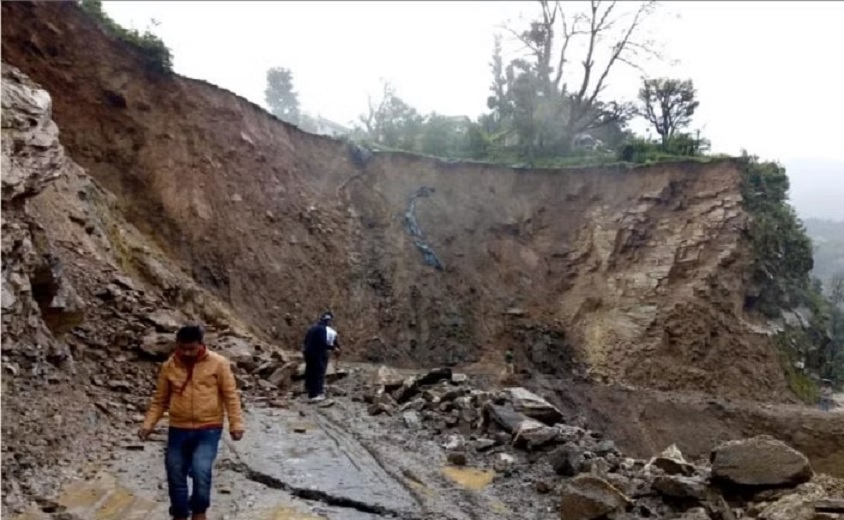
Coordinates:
(326, 318)
(189, 341)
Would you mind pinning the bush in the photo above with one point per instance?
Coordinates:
(157, 55)
(639, 150)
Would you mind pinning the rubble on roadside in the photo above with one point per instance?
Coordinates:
(513, 431)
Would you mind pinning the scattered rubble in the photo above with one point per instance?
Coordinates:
(516, 432)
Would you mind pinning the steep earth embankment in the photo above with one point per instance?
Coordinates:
(79, 323)
(638, 275)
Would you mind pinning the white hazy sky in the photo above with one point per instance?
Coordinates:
(765, 71)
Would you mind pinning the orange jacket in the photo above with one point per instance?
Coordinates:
(201, 402)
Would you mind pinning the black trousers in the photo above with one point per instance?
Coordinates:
(316, 363)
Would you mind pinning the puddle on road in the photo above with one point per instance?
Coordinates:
(470, 478)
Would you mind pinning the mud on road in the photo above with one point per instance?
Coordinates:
(341, 461)
(295, 464)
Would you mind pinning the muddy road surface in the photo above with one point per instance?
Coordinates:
(296, 463)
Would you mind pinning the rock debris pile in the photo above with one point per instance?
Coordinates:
(517, 433)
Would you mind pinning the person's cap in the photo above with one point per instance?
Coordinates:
(326, 316)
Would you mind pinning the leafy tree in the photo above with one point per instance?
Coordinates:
(668, 105)
(390, 121)
(280, 96)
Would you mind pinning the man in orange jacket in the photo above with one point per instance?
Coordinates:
(197, 386)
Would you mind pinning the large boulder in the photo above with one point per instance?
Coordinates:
(533, 406)
(587, 497)
(759, 462)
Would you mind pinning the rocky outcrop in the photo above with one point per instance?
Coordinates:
(633, 275)
(39, 305)
(80, 323)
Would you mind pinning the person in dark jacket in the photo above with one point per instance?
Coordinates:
(320, 340)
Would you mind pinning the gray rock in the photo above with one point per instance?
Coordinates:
(604, 448)
(830, 505)
(680, 487)
(457, 458)
(503, 463)
(507, 418)
(533, 406)
(672, 462)
(587, 497)
(388, 378)
(283, 374)
(165, 320)
(157, 346)
(454, 443)
(570, 433)
(459, 378)
(761, 462)
(567, 460)
(482, 445)
(411, 419)
(238, 350)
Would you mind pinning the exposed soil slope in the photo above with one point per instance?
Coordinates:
(638, 274)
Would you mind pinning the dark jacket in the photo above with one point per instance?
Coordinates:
(316, 340)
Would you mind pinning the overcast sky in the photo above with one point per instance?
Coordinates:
(766, 72)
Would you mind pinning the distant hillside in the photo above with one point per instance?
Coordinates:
(828, 239)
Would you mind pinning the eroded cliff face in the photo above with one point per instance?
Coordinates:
(634, 275)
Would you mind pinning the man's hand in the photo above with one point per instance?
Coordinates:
(144, 433)
(237, 435)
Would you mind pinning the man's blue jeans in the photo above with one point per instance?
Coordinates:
(316, 364)
(190, 452)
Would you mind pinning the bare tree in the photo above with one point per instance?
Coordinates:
(601, 25)
(668, 104)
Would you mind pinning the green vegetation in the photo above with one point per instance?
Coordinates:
(783, 251)
(780, 280)
(799, 382)
(156, 54)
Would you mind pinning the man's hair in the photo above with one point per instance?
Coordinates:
(326, 316)
(190, 334)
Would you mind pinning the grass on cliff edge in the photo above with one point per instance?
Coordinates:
(580, 161)
(156, 54)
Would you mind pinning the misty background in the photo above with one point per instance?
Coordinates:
(765, 72)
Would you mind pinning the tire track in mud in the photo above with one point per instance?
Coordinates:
(344, 444)
(401, 474)
(312, 494)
